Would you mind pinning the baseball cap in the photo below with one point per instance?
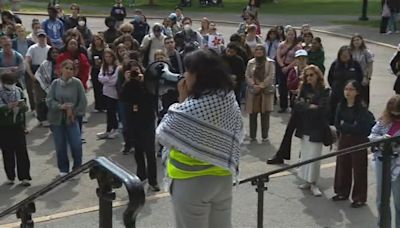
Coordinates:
(41, 32)
(301, 53)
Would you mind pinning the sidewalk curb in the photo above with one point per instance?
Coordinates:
(341, 35)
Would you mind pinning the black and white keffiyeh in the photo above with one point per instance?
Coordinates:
(209, 129)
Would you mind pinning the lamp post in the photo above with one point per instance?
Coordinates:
(363, 16)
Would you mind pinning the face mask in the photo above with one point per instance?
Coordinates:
(9, 86)
(186, 27)
(81, 23)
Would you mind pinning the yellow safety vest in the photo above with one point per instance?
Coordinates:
(182, 166)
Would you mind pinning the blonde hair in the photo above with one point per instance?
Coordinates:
(126, 25)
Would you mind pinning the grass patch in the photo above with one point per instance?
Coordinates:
(289, 7)
(370, 23)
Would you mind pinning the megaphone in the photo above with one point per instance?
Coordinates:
(158, 78)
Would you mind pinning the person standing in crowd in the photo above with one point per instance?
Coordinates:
(306, 42)
(365, 58)
(243, 25)
(35, 55)
(44, 76)
(54, 28)
(204, 26)
(72, 21)
(128, 41)
(175, 58)
(85, 32)
(252, 39)
(112, 33)
(294, 74)
(281, 32)
(214, 40)
(96, 52)
(11, 60)
(252, 7)
(118, 11)
(190, 36)
(388, 125)
(12, 130)
(66, 101)
(395, 67)
(151, 43)
(353, 122)
(312, 107)
(236, 67)
(108, 77)
(285, 60)
(260, 77)
(167, 27)
(272, 43)
(343, 69)
(316, 55)
(140, 25)
(201, 188)
(32, 36)
(140, 121)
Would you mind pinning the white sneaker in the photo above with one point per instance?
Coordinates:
(9, 182)
(102, 135)
(45, 123)
(62, 174)
(25, 182)
(113, 134)
(315, 190)
(304, 186)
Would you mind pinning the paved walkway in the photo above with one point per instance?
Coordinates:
(322, 22)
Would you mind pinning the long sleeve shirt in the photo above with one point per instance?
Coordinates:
(109, 81)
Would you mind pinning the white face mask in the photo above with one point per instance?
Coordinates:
(187, 27)
(81, 23)
(8, 86)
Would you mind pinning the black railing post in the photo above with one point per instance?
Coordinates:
(384, 210)
(25, 214)
(261, 188)
(106, 195)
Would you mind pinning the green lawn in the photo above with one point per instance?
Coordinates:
(370, 23)
(291, 7)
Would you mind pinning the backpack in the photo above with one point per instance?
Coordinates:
(293, 79)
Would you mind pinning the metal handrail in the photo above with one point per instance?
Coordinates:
(109, 176)
(387, 153)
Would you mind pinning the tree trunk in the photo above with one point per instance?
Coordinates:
(151, 2)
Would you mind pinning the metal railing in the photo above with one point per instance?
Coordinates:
(387, 155)
(109, 176)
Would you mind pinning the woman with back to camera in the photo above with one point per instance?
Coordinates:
(353, 122)
(311, 108)
(203, 134)
(388, 125)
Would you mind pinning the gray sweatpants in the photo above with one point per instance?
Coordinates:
(202, 202)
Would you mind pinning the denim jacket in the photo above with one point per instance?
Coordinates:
(378, 132)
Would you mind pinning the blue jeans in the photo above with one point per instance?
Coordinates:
(392, 24)
(395, 192)
(63, 136)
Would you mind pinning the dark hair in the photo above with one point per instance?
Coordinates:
(7, 14)
(235, 38)
(105, 65)
(186, 19)
(343, 49)
(131, 63)
(134, 55)
(82, 18)
(52, 9)
(362, 47)
(257, 3)
(168, 38)
(110, 20)
(283, 35)
(8, 78)
(49, 54)
(272, 30)
(358, 101)
(211, 74)
(234, 46)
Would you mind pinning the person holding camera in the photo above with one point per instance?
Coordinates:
(140, 118)
(12, 130)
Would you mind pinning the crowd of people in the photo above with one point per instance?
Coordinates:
(200, 124)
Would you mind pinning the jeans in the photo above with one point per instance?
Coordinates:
(67, 135)
(392, 22)
(112, 108)
(395, 192)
